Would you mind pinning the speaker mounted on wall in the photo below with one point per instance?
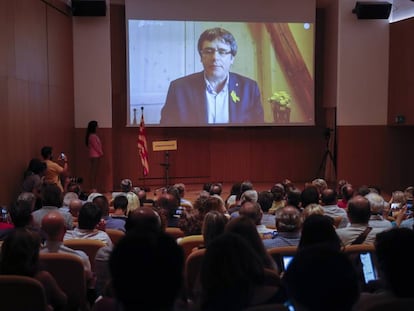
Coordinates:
(372, 9)
(88, 7)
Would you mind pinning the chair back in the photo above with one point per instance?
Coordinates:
(192, 272)
(89, 246)
(189, 242)
(115, 235)
(22, 293)
(69, 273)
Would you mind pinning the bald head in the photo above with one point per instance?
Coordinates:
(251, 210)
(143, 218)
(74, 207)
(53, 224)
(359, 210)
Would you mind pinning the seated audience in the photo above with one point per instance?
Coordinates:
(253, 211)
(89, 217)
(246, 228)
(288, 225)
(51, 201)
(309, 195)
(278, 192)
(347, 192)
(120, 207)
(133, 200)
(213, 225)
(33, 179)
(183, 201)
(319, 230)
(20, 256)
(359, 213)
(330, 207)
(110, 222)
(233, 276)
(67, 198)
(74, 208)
(144, 219)
(320, 278)
(151, 261)
(320, 184)
(234, 191)
(293, 198)
(245, 185)
(168, 206)
(312, 209)
(394, 257)
(377, 204)
(53, 225)
(265, 199)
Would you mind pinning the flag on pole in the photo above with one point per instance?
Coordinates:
(142, 144)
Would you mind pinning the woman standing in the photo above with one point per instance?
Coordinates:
(94, 145)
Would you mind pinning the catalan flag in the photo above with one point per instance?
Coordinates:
(142, 145)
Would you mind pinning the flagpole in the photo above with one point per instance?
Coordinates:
(142, 146)
(143, 174)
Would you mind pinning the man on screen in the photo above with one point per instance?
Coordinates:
(215, 95)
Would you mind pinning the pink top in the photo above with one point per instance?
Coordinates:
(95, 146)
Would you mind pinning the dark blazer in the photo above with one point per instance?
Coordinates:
(186, 103)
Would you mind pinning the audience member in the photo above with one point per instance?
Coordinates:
(309, 195)
(20, 256)
(265, 199)
(143, 199)
(320, 278)
(330, 207)
(253, 211)
(168, 207)
(67, 198)
(359, 213)
(245, 227)
(151, 261)
(245, 185)
(120, 207)
(143, 219)
(234, 191)
(393, 252)
(216, 189)
(110, 222)
(278, 192)
(288, 226)
(51, 201)
(191, 222)
(233, 276)
(347, 192)
(293, 198)
(133, 200)
(377, 204)
(33, 179)
(89, 217)
(319, 230)
(213, 225)
(312, 209)
(320, 184)
(74, 208)
(53, 225)
(183, 201)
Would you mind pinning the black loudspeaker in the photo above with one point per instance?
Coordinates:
(372, 10)
(88, 7)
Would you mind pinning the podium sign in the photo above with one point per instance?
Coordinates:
(164, 145)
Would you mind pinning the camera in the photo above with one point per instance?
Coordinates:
(76, 180)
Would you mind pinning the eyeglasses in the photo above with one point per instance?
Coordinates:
(211, 51)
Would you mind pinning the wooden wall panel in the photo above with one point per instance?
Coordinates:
(401, 68)
(34, 113)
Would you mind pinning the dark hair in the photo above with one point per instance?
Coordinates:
(92, 125)
(309, 195)
(89, 216)
(121, 201)
(245, 227)
(51, 195)
(319, 229)
(21, 213)
(36, 166)
(265, 199)
(230, 267)
(20, 253)
(395, 258)
(320, 278)
(46, 151)
(218, 33)
(154, 263)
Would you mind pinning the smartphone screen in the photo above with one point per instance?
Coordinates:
(286, 261)
(368, 268)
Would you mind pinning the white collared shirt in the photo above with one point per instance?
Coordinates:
(217, 104)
